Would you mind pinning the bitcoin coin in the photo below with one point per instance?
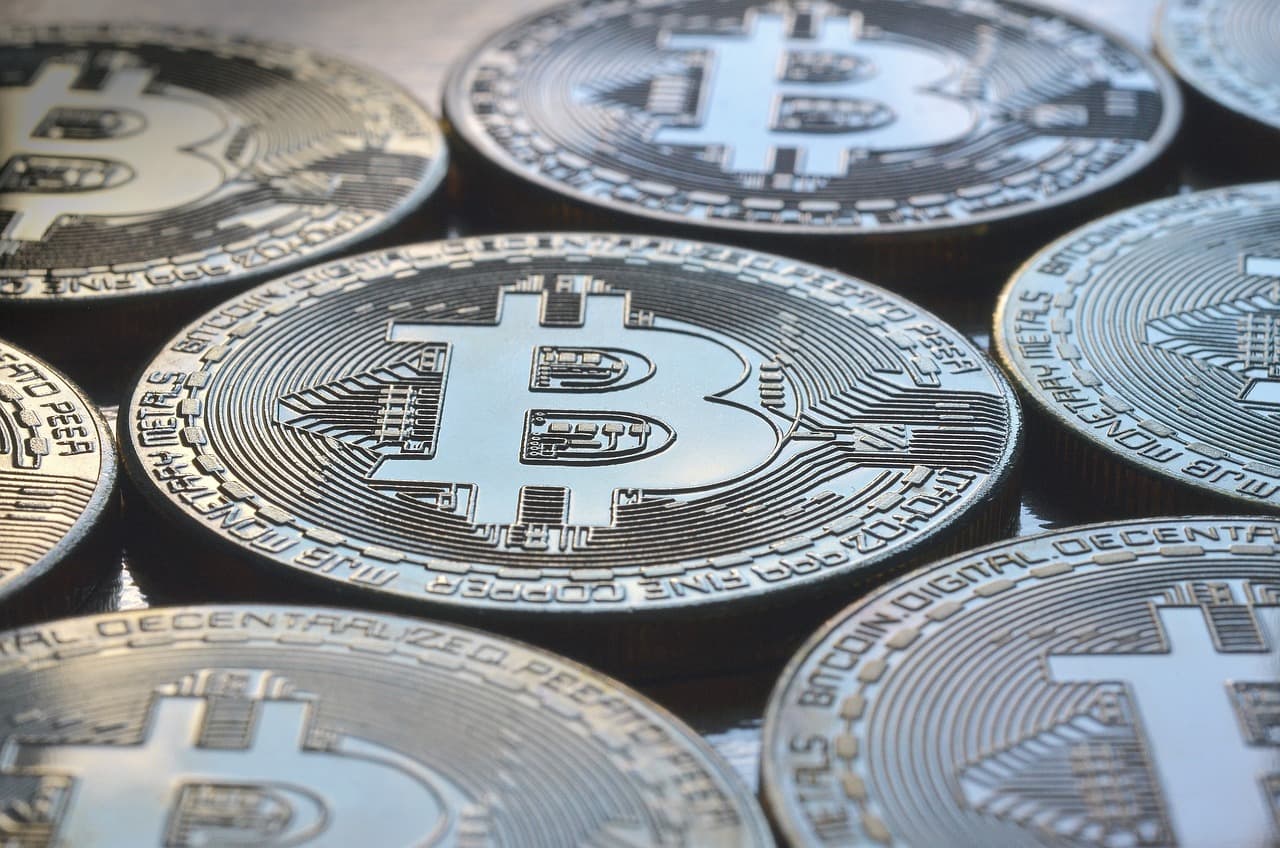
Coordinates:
(140, 165)
(280, 726)
(1228, 53)
(1112, 684)
(884, 133)
(566, 431)
(1147, 342)
(57, 491)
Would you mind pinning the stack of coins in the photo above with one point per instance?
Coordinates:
(682, 373)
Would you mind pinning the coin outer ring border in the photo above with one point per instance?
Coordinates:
(1174, 492)
(1173, 63)
(457, 119)
(428, 189)
(95, 514)
(986, 502)
(771, 795)
(747, 804)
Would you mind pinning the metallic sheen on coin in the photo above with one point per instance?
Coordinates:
(1229, 52)
(1148, 340)
(595, 428)
(147, 172)
(866, 118)
(274, 726)
(57, 491)
(139, 159)
(1113, 684)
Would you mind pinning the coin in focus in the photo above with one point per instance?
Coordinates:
(561, 432)
(142, 167)
(876, 135)
(1146, 343)
(57, 491)
(1228, 53)
(1111, 684)
(289, 726)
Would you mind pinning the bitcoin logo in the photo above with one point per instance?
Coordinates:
(1225, 805)
(1242, 336)
(1202, 365)
(583, 413)
(828, 119)
(284, 727)
(1260, 336)
(225, 760)
(1106, 685)
(770, 90)
(550, 421)
(119, 149)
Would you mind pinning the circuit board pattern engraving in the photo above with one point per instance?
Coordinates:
(242, 727)
(1153, 333)
(857, 117)
(1226, 49)
(1111, 684)
(137, 159)
(572, 420)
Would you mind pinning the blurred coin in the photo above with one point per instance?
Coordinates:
(1147, 342)
(1228, 53)
(291, 726)
(882, 136)
(57, 491)
(566, 434)
(1112, 684)
(146, 172)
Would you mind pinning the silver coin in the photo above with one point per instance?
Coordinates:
(1113, 684)
(139, 160)
(867, 118)
(57, 490)
(1228, 51)
(278, 726)
(1149, 337)
(599, 428)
